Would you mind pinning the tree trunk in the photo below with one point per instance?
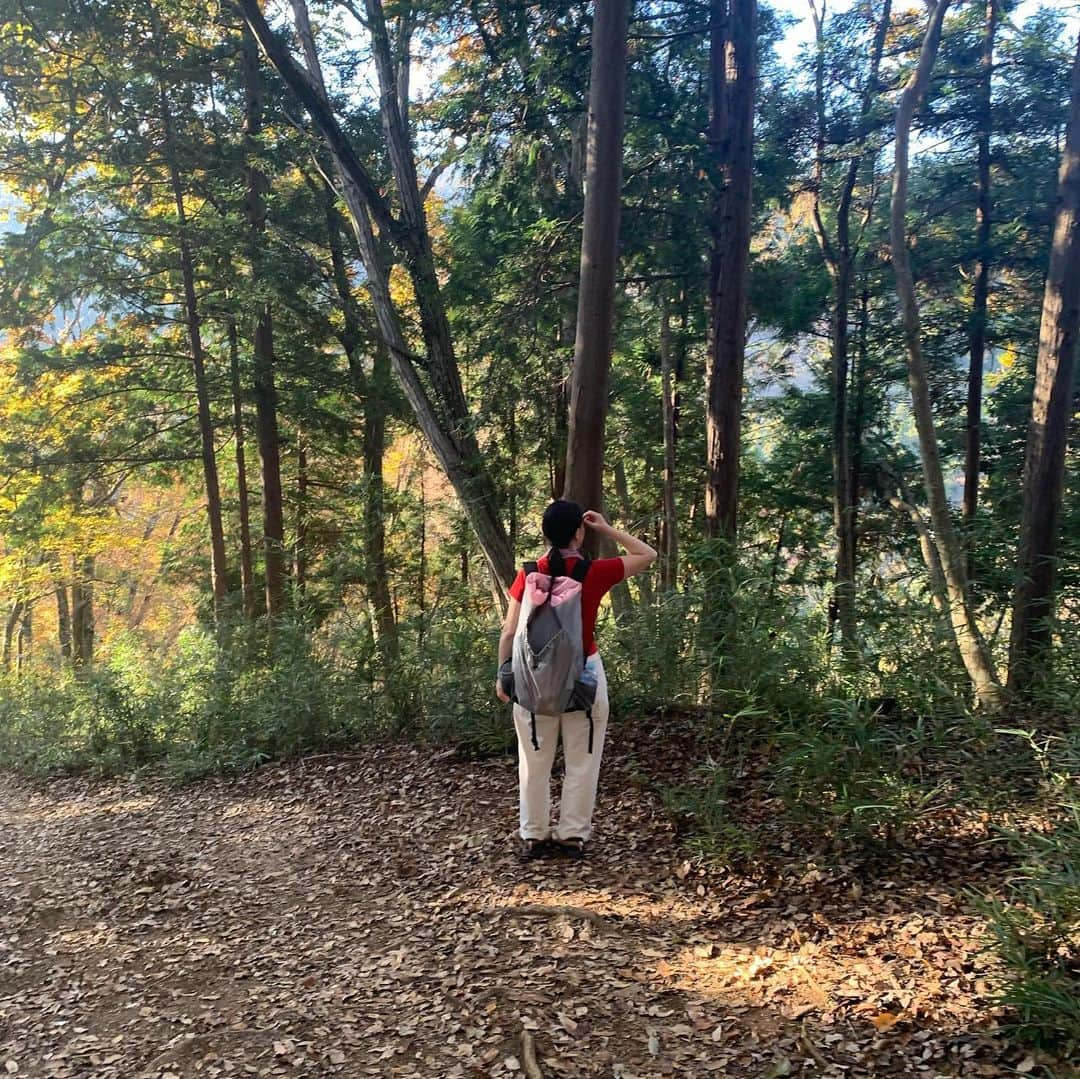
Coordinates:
(444, 418)
(374, 392)
(247, 569)
(969, 640)
(599, 256)
(63, 610)
(1051, 409)
(732, 58)
(669, 547)
(839, 255)
(25, 643)
(13, 620)
(82, 613)
(218, 570)
(265, 392)
(977, 324)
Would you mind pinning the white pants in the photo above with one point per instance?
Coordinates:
(582, 767)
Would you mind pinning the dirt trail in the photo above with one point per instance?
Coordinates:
(364, 915)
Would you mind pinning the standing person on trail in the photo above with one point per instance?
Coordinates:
(550, 657)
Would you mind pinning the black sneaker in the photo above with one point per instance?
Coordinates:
(531, 849)
(570, 848)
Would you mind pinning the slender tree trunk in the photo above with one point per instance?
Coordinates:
(137, 616)
(858, 418)
(63, 611)
(732, 59)
(977, 325)
(247, 568)
(374, 392)
(444, 417)
(839, 254)
(621, 598)
(82, 613)
(218, 569)
(300, 549)
(265, 392)
(1051, 410)
(670, 535)
(25, 644)
(13, 620)
(969, 639)
(599, 256)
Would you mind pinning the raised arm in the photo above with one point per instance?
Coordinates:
(640, 556)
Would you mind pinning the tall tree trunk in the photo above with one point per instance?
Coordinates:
(247, 568)
(977, 324)
(444, 417)
(265, 392)
(13, 619)
(669, 547)
(25, 643)
(218, 570)
(1051, 409)
(63, 610)
(969, 639)
(599, 256)
(82, 613)
(300, 549)
(374, 392)
(839, 253)
(732, 60)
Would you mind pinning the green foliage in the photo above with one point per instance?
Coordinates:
(701, 807)
(1034, 927)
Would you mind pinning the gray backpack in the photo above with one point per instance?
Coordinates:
(549, 672)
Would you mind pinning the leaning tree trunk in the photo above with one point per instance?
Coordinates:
(732, 61)
(265, 392)
(218, 570)
(1051, 410)
(443, 415)
(969, 639)
(599, 257)
(977, 323)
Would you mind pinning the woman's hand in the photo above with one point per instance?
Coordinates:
(499, 693)
(595, 520)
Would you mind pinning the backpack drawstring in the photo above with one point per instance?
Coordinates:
(536, 744)
(588, 713)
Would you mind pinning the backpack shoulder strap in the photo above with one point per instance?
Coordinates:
(531, 567)
(580, 569)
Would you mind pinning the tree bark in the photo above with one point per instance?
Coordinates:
(977, 323)
(265, 392)
(969, 640)
(218, 570)
(1051, 409)
(300, 549)
(14, 618)
(599, 256)
(839, 253)
(247, 569)
(63, 610)
(374, 393)
(82, 613)
(732, 61)
(669, 547)
(444, 417)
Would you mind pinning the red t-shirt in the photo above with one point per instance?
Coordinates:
(603, 575)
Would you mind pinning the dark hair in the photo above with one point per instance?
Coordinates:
(562, 519)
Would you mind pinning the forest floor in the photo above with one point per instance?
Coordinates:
(365, 914)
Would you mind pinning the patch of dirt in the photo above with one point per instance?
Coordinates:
(365, 915)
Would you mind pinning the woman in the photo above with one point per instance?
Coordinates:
(564, 526)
